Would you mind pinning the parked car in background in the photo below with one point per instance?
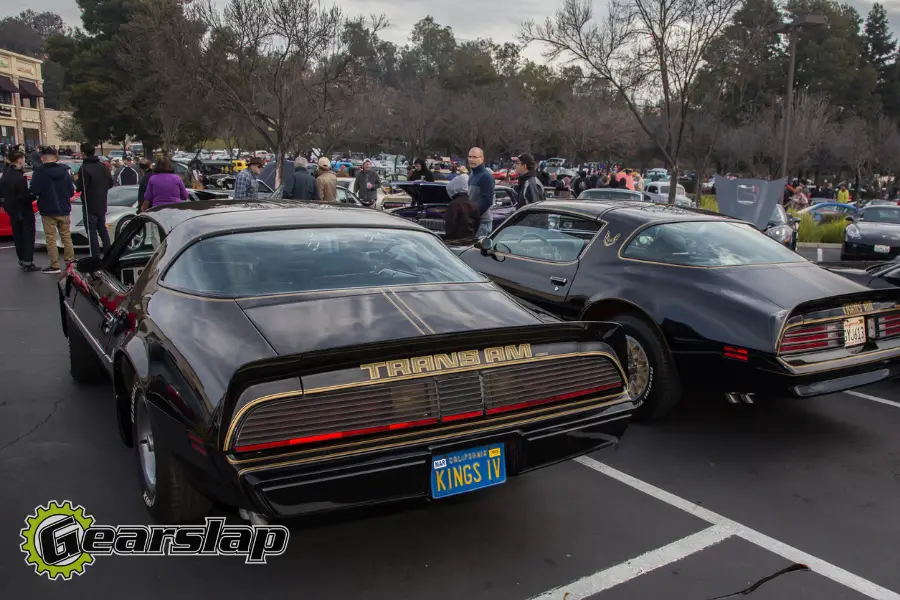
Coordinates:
(615, 194)
(829, 211)
(874, 233)
(122, 205)
(659, 193)
(783, 228)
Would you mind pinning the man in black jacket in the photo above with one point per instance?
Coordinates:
(94, 182)
(146, 168)
(128, 175)
(51, 183)
(530, 189)
(302, 185)
(17, 204)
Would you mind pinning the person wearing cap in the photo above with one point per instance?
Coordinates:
(128, 175)
(366, 183)
(94, 182)
(481, 190)
(326, 181)
(420, 171)
(530, 188)
(53, 187)
(246, 183)
(462, 218)
(302, 185)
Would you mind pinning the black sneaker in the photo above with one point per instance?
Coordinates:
(22, 263)
(31, 268)
(50, 270)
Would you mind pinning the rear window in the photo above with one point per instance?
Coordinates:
(605, 194)
(707, 244)
(298, 260)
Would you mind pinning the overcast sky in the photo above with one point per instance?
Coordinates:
(497, 19)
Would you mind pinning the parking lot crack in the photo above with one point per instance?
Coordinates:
(764, 580)
(39, 424)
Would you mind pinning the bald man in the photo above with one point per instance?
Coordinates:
(481, 190)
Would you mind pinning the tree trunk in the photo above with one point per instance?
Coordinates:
(673, 183)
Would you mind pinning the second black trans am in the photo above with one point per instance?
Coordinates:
(287, 359)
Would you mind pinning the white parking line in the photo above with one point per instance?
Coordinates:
(6, 247)
(826, 569)
(874, 399)
(626, 571)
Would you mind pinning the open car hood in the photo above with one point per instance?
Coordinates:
(424, 192)
(751, 200)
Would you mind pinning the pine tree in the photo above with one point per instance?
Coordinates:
(880, 43)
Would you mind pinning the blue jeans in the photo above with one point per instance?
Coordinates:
(486, 225)
(96, 224)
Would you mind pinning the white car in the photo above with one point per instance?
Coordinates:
(659, 193)
(121, 208)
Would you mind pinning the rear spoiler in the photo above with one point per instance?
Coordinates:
(832, 302)
(348, 357)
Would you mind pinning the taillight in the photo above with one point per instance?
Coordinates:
(812, 337)
(888, 326)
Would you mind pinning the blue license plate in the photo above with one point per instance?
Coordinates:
(467, 470)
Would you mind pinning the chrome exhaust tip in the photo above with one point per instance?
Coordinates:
(732, 398)
(747, 398)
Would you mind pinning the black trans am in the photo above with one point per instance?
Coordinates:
(706, 301)
(286, 361)
(874, 234)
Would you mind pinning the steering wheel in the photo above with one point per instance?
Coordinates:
(547, 250)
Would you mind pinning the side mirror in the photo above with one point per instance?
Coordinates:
(848, 218)
(89, 265)
(794, 220)
(487, 246)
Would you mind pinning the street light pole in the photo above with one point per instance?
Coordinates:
(789, 109)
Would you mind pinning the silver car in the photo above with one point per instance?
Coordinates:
(121, 208)
(659, 193)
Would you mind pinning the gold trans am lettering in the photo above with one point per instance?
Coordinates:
(439, 362)
(858, 308)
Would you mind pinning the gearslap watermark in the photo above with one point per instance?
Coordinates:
(61, 540)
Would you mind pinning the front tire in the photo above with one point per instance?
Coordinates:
(120, 227)
(653, 378)
(166, 492)
(84, 365)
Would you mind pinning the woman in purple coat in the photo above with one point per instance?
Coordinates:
(164, 187)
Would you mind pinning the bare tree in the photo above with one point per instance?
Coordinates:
(416, 114)
(650, 47)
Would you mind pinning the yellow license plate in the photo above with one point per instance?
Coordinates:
(854, 331)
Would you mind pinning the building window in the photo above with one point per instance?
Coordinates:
(5, 97)
(26, 101)
(7, 134)
(32, 136)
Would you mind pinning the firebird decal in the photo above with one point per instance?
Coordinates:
(607, 241)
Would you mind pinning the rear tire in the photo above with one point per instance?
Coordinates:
(660, 389)
(84, 365)
(166, 492)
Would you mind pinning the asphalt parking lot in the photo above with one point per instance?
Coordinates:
(700, 507)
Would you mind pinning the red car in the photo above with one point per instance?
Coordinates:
(5, 225)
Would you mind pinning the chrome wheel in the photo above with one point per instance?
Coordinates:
(638, 368)
(145, 444)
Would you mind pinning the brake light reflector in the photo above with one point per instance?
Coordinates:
(334, 436)
(735, 353)
(569, 396)
(812, 337)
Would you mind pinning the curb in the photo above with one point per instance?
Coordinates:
(812, 245)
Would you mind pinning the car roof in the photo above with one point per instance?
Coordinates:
(186, 221)
(644, 212)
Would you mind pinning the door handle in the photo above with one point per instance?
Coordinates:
(559, 280)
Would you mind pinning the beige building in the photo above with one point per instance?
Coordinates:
(52, 118)
(21, 100)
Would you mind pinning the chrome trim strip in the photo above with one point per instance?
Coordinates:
(86, 334)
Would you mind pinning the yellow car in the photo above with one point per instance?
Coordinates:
(239, 165)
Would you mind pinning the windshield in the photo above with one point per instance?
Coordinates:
(664, 189)
(252, 263)
(707, 244)
(880, 214)
(779, 216)
(605, 194)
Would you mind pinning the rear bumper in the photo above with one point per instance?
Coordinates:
(282, 487)
(860, 251)
(768, 375)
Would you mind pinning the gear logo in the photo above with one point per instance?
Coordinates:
(53, 540)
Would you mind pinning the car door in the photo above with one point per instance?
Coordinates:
(534, 256)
